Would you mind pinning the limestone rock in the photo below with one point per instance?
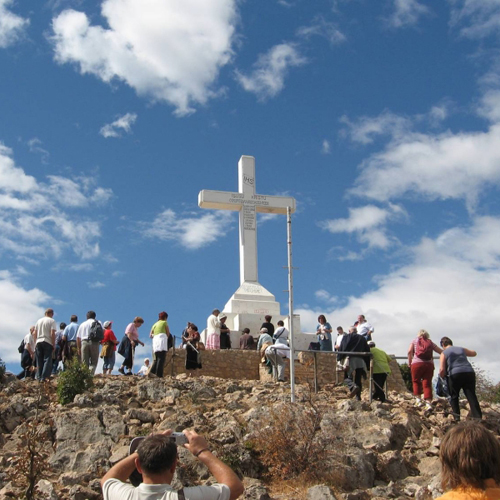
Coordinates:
(320, 492)
(255, 490)
(45, 490)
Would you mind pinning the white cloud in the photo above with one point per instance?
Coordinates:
(406, 13)
(35, 219)
(477, 18)
(189, 231)
(435, 167)
(324, 296)
(368, 223)
(96, 284)
(447, 288)
(365, 128)
(323, 28)
(325, 147)
(122, 123)
(21, 309)
(35, 146)
(268, 77)
(167, 51)
(12, 26)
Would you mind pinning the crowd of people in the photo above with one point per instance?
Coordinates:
(48, 344)
(469, 454)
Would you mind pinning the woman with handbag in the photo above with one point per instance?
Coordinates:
(108, 352)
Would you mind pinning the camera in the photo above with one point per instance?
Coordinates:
(178, 438)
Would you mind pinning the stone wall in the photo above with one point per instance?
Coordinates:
(245, 365)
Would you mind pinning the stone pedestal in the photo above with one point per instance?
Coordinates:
(249, 306)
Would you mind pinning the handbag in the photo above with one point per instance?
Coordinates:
(106, 350)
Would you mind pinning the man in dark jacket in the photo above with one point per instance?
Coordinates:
(355, 365)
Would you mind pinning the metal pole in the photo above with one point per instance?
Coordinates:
(370, 385)
(290, 303)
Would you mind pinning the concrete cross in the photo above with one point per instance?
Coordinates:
(247, 202)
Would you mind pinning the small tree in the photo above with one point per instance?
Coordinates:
(76, 379)
(30, 463)
(406, 374)
(2, 371)
(485, 389)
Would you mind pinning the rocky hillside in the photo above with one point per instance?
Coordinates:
(324, 446)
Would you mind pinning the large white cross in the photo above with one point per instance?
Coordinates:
(247, 203)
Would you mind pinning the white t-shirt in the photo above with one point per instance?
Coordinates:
(29, 340)
(114, 489)
(43, 328)
(365, 328)
(84, 329)
(340, 336)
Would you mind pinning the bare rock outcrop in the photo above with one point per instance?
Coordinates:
(349, 450)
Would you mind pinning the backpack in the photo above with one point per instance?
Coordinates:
(20, 349)
(96, 332)
(424, 348)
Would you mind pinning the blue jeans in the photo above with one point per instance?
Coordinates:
(43, 360)
(109, 361)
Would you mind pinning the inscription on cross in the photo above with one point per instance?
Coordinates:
(248, 203)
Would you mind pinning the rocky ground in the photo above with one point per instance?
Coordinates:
(324, 446)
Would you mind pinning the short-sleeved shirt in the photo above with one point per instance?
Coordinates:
(114, 489)
(84, 329)
(416, 359)
(44, 327)
(133, 333)
(456, 360)
(365, 330)
(159, 327)
(70, 332)
(29, 340)
(109, 338)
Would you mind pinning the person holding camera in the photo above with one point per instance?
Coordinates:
(156, 459)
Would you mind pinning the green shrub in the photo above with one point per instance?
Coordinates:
(75, 379)
(406, 374)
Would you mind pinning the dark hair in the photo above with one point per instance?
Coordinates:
(74, 318)
(322, 317)
(62, 326)
(339, 328)
(469, 455)
(445, 341)
(157, 453)
(268, 318)
(193, 327)
(280, 323)
(163, 316)
(91, 315)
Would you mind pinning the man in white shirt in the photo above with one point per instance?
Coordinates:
(45, 331)
(340, 336)
(88, 350)
(156, 459)
(364, 328)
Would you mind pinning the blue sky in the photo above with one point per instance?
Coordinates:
(381, 118)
